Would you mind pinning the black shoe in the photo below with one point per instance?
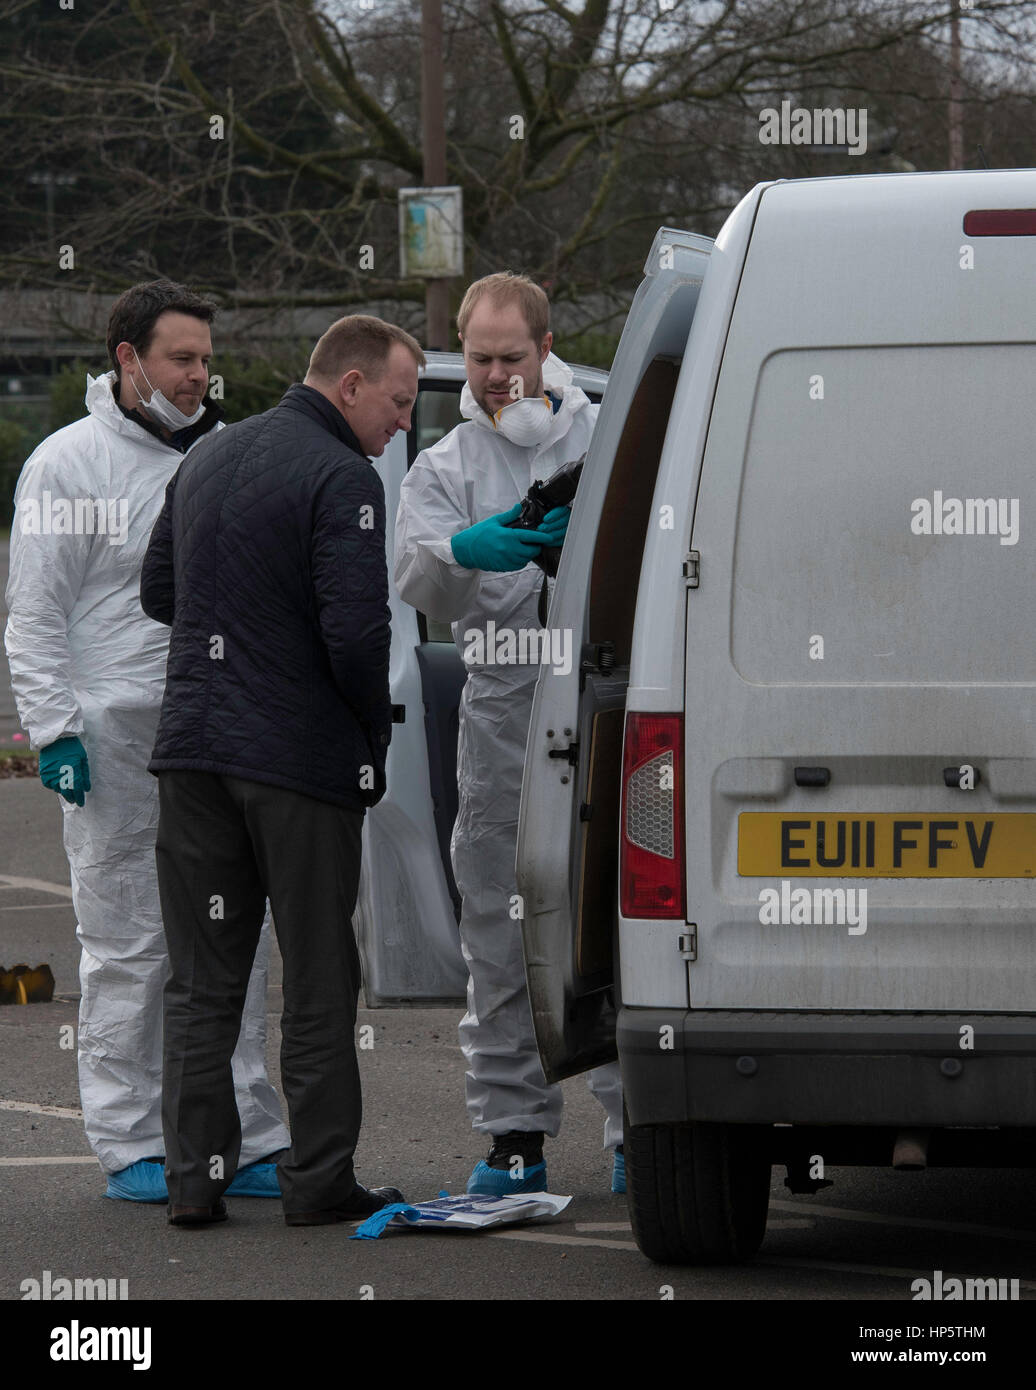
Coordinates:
(519, 1143)
(362, 1202)
(197, 1216)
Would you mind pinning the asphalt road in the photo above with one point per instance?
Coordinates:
(866, 1238)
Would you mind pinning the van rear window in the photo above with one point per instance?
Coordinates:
(886, 518)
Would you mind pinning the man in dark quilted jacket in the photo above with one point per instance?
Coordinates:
(268, 562)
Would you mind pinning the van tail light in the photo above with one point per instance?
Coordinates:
(651, 854)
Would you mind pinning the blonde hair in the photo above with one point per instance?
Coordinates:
(507, 288)
(362, 343)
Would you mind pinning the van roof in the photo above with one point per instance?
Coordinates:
(903, 175)
(896, 243)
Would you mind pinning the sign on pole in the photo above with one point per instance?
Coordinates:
(431, 232)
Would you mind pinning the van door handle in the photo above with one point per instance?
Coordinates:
(812, 776)
(952, 775)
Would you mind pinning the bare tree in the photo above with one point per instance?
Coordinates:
(257, 150)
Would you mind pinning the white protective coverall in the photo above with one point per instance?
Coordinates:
(471, 474)
(86, 660)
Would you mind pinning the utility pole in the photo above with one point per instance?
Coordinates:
(956, 111)
(433, 130)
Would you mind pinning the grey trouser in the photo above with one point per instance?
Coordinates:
(225, 845)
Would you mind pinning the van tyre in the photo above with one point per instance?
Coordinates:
(697, 1193)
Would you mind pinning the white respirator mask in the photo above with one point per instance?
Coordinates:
(525, 422)
(163, 410)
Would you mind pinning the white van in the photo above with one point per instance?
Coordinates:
(791, 788)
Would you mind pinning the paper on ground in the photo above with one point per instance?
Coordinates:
(463, 1212)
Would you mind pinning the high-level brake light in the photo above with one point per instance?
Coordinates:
(1000, 222)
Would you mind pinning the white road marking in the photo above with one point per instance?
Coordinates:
(965, 1228)
(62, 890)
(807, 1220)
(623, 1225)
(27, 1107)
(772, 1261)
(36, 907)
(546, 1238)
(41, 1162)
(778, 1224)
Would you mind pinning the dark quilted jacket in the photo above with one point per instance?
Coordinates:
(272, 538)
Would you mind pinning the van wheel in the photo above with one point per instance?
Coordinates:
(697, 1193)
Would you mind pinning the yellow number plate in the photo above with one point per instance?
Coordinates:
(899, 845)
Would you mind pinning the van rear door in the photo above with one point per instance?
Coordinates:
(567, 863)
(860, 665)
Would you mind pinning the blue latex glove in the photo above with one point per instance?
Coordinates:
(492, 545)
(555, 523)
(65, 770)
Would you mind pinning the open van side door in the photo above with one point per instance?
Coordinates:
(408, 905)
(567, 862)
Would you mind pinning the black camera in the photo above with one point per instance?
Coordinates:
(555, 491)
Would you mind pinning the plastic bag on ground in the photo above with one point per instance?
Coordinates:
(463, 1212)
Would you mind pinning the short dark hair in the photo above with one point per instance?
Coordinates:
(135, 312)
(361, 342)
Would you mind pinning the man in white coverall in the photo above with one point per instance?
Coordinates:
(88, 671)
(457, 562)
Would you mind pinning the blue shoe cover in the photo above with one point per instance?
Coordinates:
(140, 1182)
(619, 1172)
(255, 1180)
(497, 1182)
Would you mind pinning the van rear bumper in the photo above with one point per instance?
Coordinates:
(799, 1068)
